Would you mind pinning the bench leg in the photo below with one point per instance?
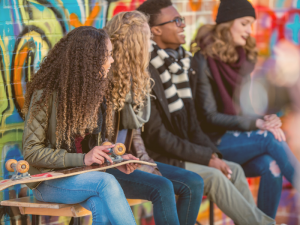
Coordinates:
(211, 213)
(35, 219)
(75, 221)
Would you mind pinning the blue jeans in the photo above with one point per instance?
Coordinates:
(161, 192)
(260, 154)
(98, 192)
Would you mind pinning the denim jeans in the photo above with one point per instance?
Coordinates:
(98, 192)
(161, 192)
(260, 154)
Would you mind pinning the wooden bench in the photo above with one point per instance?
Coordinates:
(29, 205)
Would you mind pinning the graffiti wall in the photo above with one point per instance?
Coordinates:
(30, 28)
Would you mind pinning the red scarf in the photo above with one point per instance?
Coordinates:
(228, 77)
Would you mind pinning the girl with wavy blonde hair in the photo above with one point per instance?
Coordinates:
(129, 34)
(130, 96)
(225, 60)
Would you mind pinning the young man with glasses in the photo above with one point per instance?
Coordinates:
(173, 134)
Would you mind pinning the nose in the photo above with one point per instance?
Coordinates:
(183, 25)
(249, 29)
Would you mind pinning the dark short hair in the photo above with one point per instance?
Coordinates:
(152, 9)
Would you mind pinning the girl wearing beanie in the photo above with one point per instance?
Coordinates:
(226, 59)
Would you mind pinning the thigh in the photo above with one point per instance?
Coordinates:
(240, 147)
(140, 184)
(73, 189)
(181, 178)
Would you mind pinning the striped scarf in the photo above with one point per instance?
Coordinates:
(174, 76)
(175, 80)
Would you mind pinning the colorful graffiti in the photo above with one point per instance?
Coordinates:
(30, 28)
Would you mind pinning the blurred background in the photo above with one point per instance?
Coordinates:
(30, 28)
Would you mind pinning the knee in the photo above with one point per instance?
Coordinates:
(274, 169)
(108, 182)
(194, 181)
(237, 169)
(164, 185)
(215, 179)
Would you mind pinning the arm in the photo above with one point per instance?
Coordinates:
(159, 139)
(206, 105)
(35, 151)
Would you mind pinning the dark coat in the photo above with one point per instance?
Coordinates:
(161, 142)
(208, 104)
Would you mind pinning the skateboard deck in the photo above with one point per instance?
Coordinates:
(67, 173)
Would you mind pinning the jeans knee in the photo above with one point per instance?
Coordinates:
(274, 169)
(108, 182)
(165, 185)
(195, 182)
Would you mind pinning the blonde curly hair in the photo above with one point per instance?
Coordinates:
(217, 41)
(130, 34)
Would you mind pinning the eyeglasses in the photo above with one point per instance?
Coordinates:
(178, 20)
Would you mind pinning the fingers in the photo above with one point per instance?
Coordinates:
(276, 134)
(273, 124)
(273, 121)
(228, 170)
(103, 155)
(129, 156)
(130, 168)
(282, 135)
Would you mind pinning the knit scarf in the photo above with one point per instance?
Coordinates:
(228, 78)
(175, 81)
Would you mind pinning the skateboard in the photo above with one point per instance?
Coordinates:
(21, 175)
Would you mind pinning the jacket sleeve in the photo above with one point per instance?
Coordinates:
(206, 105)
(35, 149)
(159, 139)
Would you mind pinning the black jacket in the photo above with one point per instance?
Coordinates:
(208, 104)
(159, 138)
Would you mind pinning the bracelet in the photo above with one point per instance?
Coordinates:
(83, 158)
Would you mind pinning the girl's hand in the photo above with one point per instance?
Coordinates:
(129, 168)
(278, 134)
(260, 124)
(98, 155)
(272, 121)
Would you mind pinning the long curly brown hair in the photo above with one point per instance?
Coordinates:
(217, 41)
(74, 70)
(130, 36)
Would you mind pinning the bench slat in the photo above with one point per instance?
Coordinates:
(29, 205)
(30, 201)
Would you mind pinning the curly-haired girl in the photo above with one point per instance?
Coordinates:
(130, 35)
(226, 58)
(65, 103)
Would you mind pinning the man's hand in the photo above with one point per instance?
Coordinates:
(129, 168)
(98, 155)
(219, 164)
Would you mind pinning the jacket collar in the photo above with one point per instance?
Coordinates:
(158, 91)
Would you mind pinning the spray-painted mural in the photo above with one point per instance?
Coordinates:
(30, 28)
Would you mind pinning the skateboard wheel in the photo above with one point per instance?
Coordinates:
(22, 166)
(106, 143)
(119, 149)
(9, 163)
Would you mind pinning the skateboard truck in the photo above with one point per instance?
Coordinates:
(116, 152)
(20, 168)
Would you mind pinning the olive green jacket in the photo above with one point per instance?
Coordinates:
(39, 142)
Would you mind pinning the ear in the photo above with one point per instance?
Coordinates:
(156, 31)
